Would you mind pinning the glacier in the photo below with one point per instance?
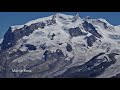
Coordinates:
(61, 46)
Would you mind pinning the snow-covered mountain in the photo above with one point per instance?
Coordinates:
(61, 46)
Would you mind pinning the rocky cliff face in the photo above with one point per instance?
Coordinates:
(11, 37)
(94, 67)
(61, 46)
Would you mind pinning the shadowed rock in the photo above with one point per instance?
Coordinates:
(90, 40)
(90, 28)
(93, 68)
(74, 32)
(69, 47)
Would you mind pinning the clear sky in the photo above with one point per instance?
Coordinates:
(15, 18)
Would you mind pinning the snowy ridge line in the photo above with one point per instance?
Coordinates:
(62, 42)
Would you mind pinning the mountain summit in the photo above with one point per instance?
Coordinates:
(61, 46)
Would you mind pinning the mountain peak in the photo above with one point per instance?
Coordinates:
(77, 19)
(77, 15)
(88, 17)
(63, 15)
(105, 21)
(60, 42)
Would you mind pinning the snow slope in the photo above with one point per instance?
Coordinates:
(71, 35)
(1, 40)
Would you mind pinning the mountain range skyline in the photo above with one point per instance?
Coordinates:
(8, 19)
(61, 46)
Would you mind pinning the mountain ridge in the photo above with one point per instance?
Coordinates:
(52, 45)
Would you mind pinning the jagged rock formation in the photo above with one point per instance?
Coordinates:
(61, 46)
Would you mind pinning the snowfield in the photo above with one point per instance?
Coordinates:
(63, 46)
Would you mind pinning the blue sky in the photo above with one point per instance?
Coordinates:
(15, 18)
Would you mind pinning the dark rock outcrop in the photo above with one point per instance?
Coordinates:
(31, 47)
(52, 36)
(93, 68)
(103, 24)
(43, 46)
(90, 40)
(10, 38)
(116, 76)
(48, 55)
(69, 47)
(90, 28)
(74, 32)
